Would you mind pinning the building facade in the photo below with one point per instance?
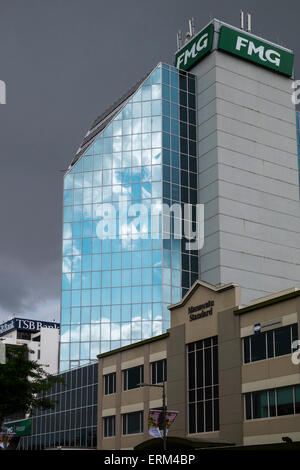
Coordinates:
(40, 337)
(232, 372)
(219, 130)
(136, 157)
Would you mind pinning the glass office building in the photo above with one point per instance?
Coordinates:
(73, 420)
(120, 274)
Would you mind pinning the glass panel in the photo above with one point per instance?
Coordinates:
(285, 402)
(282, 341)
(272, 403)
(133, 377)
(260, 404)
(270, 343)
(248, 406)
(258, 347)
(134, 423)
(297, 398)
(192, 421)
(246, 350)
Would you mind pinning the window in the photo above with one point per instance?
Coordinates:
(276, 402)
(269, 344)
(109, 426)
(133, 423)
(110, 383)
(203, 390)
(133, 377)
(159, 371)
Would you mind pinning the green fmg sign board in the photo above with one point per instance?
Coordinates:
(256, 50)
(196, 49)
(18, 428)
(238, 43)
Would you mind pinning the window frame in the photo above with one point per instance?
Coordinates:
(125, 423)
(154, 365)
(107, 385)
(292, 331)
(106, 426)
(125, 377)
(211, 389)
(268, 391)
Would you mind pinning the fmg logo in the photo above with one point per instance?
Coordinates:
(265, 55)
(195, 49)
(2, 92)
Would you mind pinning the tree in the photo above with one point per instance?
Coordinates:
(23, 384)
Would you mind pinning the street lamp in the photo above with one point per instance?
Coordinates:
(164, 410)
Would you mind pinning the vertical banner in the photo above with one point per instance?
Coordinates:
(155, 422)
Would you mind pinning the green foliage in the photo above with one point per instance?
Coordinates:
(23, 383)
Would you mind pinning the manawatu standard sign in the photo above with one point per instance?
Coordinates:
(201, 311)
(26, 325)
(196, 49)
(256, 50)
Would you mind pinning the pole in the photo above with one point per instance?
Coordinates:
(164, 419)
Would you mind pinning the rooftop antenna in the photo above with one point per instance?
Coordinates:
(249, 22)
(179, 40)
(193, 26)
(189, 33)
(242, 19)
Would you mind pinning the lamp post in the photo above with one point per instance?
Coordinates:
(164, 410)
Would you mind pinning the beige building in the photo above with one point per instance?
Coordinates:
(232, 372)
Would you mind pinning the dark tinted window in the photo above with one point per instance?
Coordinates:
(258, 347)
(282, 341)
(133, 377)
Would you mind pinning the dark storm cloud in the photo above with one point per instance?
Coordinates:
(64, 62)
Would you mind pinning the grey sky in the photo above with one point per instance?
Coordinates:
(64, 62)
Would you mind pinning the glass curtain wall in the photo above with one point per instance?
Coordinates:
(73, 420)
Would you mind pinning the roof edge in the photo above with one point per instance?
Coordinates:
(220, 288)
(266, 303)
(133, 345)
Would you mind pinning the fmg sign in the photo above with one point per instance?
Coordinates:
(196, 49)
(256, 50)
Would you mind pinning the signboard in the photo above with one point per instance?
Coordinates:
(201, 311)
(256, 50)
(18, 428)
(195, 49)
(155, 422)
(26, 325)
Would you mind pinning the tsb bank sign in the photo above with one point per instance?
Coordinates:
(256, 50)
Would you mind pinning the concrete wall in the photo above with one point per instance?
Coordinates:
(248, 176)
(230, 390)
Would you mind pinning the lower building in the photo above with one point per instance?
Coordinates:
(40, 337)
(231, 372)
(73, 420)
